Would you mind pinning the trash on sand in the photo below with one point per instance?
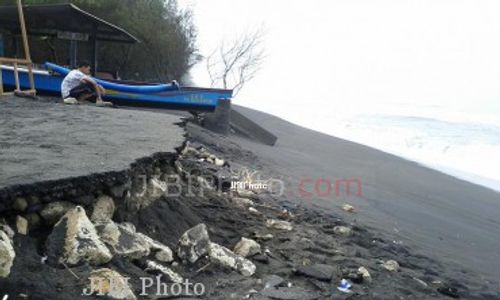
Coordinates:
(344, 286)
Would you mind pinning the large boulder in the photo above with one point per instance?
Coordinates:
(7, 254)
(74, 240)
(194, 243)
(122, 240)
(109, 283)
(104, 208)
(162, 252)
(227, 258)
(53, 211)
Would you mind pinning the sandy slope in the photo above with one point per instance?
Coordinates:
(444, 217)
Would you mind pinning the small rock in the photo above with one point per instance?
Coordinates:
(225, 257)
(247, 247)
(194, 243)
(219, 162)
(103, 211)
(366, 275)
(110, 283)
(278, 224)
(264, 237)
(348, 208)
(449, 291)
(7, 254)
(55, 210)
(242, 202)
(21, 225)
(246, 194)
(421, 282)
(319, 271)
(272, 281)
(74, 240)
(254, 211)
(342, 230)
(173, 276)
(391, 265)
(20, 204)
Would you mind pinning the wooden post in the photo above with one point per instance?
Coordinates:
(27, 54)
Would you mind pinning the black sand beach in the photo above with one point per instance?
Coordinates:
(442, 231)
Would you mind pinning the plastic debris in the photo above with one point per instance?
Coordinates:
(344, 286)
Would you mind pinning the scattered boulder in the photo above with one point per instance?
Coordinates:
(272, 281)
(109, 283)
(318, 271)
(172, 276)
(366, 275)
(391, 265)
(449, 291)
(74, 240)
(264, 237)
(55, 210)
(20, 204)
(225, 257)
(194, 243)
(247, 247)
(162, 252)
(254, 211)
(342, 230)
(242, 202)
(279, 225)
(103, 211)
(7, 254)
(348, 208)
(123, 241)
(21, 225)
(289, 293)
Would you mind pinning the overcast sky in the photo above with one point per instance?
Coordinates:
(358, 53)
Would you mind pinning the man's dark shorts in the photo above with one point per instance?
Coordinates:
(83, 89)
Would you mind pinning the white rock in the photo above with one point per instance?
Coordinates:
(342, 230)
(21, 225)
(173, 276)
(7, 254)
(193, 243)
(218, 162)
(110, 283)
(366, 275)
(254, 211)
(225, 257)
(278, 224)
(242, 202)
(247, 247)
(104, 208)
(391, 265)
(348, 208)
(74, 240)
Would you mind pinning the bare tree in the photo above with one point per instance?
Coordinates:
(232, 65)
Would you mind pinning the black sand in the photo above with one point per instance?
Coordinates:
(41, 140)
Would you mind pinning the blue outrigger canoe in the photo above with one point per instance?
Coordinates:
(126, 93)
